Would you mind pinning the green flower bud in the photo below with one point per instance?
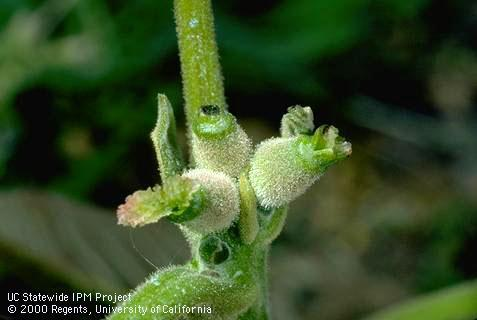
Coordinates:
(283, 168)
(219, 143)
(222, 204)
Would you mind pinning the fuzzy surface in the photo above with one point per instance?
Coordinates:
(223, 203)
(229, 155)
(183, 286)
(276, 173)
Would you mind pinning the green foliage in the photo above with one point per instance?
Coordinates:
(76, 226)
(454, 303)
(451, 230)
(126, 49)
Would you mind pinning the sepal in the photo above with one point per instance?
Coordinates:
(248, 221)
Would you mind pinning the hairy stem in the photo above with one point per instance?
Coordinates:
(203, 86)
(201, 73)
(263, 307)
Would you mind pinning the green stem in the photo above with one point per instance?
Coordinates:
(260, 309)
(201, 72)
(203, 86)
(264, 306)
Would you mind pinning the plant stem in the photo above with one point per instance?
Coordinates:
(264, 307)
(260, 309)
(201, 72)
(203, 86)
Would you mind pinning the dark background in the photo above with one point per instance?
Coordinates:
(78, 81)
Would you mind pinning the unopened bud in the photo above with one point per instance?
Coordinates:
(219, 143)
(283, 168)
(222, 201)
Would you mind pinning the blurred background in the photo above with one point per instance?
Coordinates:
(78, 83)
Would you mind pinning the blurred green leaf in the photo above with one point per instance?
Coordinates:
(448, 234)
(455, 303)
(282, 45)
(404, 9)
(83, 245)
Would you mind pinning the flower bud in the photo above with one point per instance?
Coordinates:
(219, 143)
(283, 168)
(222, 201)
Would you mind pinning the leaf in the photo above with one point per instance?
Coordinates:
(165, 143)
(455, 303)
(83, 245)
